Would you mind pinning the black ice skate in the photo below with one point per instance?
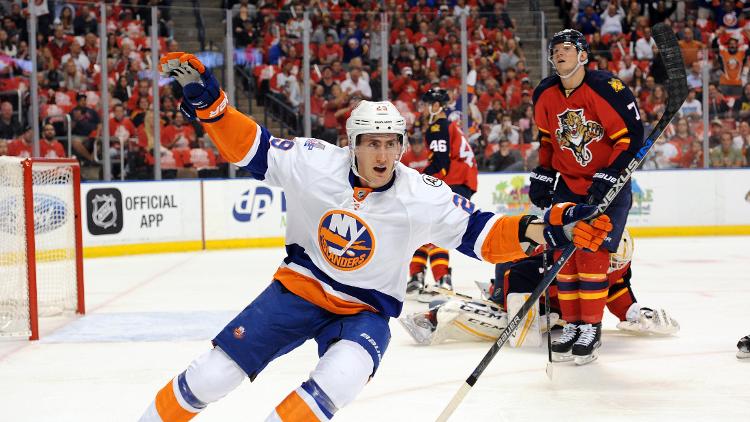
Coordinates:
(562, 346)
(415, 285)
(446, 281)
(589, 339)
(743, 348)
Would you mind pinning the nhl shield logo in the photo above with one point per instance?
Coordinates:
(345, 240)
(104, 211)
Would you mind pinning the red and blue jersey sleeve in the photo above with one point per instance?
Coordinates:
(618, 113)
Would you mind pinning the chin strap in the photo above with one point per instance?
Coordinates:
(579, 63)
(432, 115)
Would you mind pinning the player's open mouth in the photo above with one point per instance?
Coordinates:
(380, 169)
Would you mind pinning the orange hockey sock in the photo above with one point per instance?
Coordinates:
(592, 284)
(439, 260)
(419, 260)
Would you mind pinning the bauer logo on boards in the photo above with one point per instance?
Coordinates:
(104, 215)
(345, 240)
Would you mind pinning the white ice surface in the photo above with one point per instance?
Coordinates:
(149, 316)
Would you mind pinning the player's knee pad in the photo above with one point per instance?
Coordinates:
(342, 372)
(209, 377)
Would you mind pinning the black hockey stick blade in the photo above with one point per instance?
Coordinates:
(676, 87)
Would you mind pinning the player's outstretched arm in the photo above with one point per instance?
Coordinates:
(232, 132)
(567, 223)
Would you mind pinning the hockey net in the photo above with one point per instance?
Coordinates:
(41, 267)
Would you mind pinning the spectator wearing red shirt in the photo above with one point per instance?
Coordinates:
(330, 51)
(404, 87)
(693, 158)
(49, 147)
(144, 90)
(337, 71)
(59, 45)
(21, 146)
(179, 134)
(417, 157)
(170, 160)
(120, 127)
(487, 97)
(198, 157)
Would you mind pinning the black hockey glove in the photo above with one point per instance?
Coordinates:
(542, 186)
(602, 182)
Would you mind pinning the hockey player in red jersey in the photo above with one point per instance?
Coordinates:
(589, 129)
(451, 159)
(351, 215)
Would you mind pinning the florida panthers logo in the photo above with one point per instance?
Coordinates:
(347, 243)
(576, 133)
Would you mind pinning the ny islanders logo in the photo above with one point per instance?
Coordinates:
(576, 133)
(345, 240)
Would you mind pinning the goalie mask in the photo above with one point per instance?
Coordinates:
(618, 260)
(571, 37)
(374, 117)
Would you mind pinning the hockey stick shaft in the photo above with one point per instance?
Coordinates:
(676, 87)
(547, 311)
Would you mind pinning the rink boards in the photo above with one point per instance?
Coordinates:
(167, 216)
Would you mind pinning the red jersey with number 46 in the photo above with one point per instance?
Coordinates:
(451, 157)
(594, 126)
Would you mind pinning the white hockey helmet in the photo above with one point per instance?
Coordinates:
(374, 117)
(619, 259)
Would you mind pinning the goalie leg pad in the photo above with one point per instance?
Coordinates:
(643, 320)
(469, 320)
(528, 332)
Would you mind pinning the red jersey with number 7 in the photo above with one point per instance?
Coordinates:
(451, 157)
(583, 130)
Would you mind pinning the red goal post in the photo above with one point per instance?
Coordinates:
(41, 257)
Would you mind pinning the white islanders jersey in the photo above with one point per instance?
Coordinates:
(348, 247)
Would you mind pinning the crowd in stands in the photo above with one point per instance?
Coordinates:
(346, 46)
(424, 51)
(69, 83)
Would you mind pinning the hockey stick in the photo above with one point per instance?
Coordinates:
(677, 89)
(549, 369)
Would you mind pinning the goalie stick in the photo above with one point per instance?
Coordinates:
(677, 90)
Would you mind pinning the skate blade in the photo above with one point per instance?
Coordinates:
(562, 357)
(584, 360)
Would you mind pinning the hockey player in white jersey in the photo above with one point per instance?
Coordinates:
(355, 216)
